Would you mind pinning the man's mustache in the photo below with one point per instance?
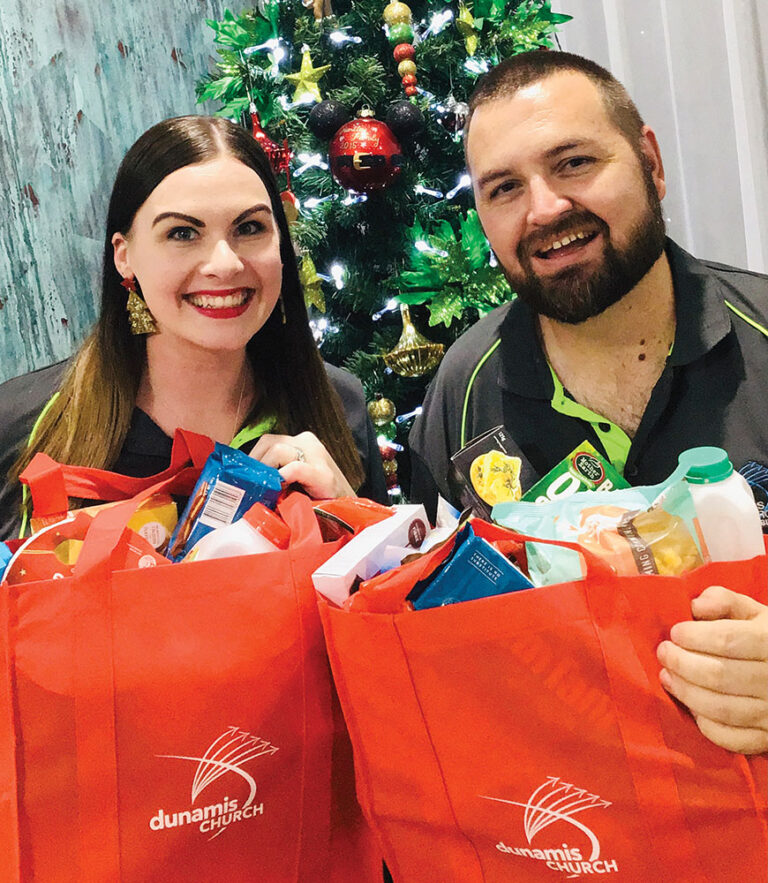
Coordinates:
(573, 222)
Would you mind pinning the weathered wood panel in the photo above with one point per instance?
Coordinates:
(79, 82)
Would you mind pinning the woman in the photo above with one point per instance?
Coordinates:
(202, 326)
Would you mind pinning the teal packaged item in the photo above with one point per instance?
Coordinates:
(474, 569)
(5, 557)
(230, 483)
(640, 530)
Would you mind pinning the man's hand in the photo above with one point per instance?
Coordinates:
(718, 667)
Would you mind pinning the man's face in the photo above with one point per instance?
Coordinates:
(571, 210)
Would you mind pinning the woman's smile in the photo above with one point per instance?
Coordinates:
(223, 304)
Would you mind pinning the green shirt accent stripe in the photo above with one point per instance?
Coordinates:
(761, 328)
(614, 440)
(256, 430)
(479, 365)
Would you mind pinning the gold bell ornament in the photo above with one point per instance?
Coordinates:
(414, 355)
(381, 410)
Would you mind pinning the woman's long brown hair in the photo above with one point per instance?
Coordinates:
(87, 423)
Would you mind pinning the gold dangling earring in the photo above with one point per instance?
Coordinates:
(282, 308)
(139, 316)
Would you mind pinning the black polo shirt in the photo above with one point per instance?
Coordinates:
(712, 391)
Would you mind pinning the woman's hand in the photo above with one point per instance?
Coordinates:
(304, 460)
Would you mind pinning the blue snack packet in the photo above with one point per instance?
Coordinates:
(474, 569)
(5, 557)
(230, 483)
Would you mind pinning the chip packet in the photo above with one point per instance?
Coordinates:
(230, 483)
(584, 469)
(635, 530)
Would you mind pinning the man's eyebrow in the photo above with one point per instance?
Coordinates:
(188, 218)
(552, 153)
(564, 148)
(490, 177)
(259, 207)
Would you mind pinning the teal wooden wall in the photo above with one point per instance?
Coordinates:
(79, 82)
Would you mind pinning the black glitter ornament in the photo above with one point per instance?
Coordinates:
(326, 118)
(405, 119)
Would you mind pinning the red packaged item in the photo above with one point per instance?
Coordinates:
(52, 552)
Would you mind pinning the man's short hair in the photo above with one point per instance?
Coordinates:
(515, 73)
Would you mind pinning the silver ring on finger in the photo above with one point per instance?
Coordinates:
(300, 455)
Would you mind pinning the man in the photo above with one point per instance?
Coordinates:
(617, 336)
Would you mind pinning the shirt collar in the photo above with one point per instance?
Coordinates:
(703, 319)
(702, 322)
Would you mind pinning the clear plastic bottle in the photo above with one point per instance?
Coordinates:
(725, 506)
(259, 530)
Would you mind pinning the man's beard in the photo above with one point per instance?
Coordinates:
(578, 293)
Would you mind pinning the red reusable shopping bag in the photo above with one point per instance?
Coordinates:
(172, 723)
(526, 737)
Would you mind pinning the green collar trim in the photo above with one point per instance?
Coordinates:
(761, 328)
(614, 440)
(254, 431)
(488, 353)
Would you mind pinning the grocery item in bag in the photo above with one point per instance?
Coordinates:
(474, 569)
(154, 519)
(52, 552)
(482, 473)
(584, 469)
(230, 483)
(725, 505)
(636, 530)
(259, 530)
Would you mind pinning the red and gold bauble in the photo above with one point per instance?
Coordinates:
(365, 155)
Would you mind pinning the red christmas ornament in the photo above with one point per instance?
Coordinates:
(403, 51)
(387, 452)
(279, 157)
(365, 155)
(411, 90)
(409, 80)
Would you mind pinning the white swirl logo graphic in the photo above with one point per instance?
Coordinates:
(226, 754)
(558, 801)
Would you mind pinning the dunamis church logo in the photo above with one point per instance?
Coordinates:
(225, 755)
(558, 801)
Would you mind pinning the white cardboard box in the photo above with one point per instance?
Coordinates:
(360, 559)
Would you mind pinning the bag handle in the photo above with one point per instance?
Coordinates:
(51, 484)
(593, 564)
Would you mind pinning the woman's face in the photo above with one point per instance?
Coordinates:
(205, 250)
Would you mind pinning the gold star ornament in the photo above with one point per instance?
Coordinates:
(310, 282)
(307, 79)
(465, 24)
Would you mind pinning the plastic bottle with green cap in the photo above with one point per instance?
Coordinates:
(725, 507)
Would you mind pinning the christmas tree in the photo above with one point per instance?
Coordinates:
(360, 106)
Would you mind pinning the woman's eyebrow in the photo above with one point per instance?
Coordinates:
(259, 207)
(163, 215)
